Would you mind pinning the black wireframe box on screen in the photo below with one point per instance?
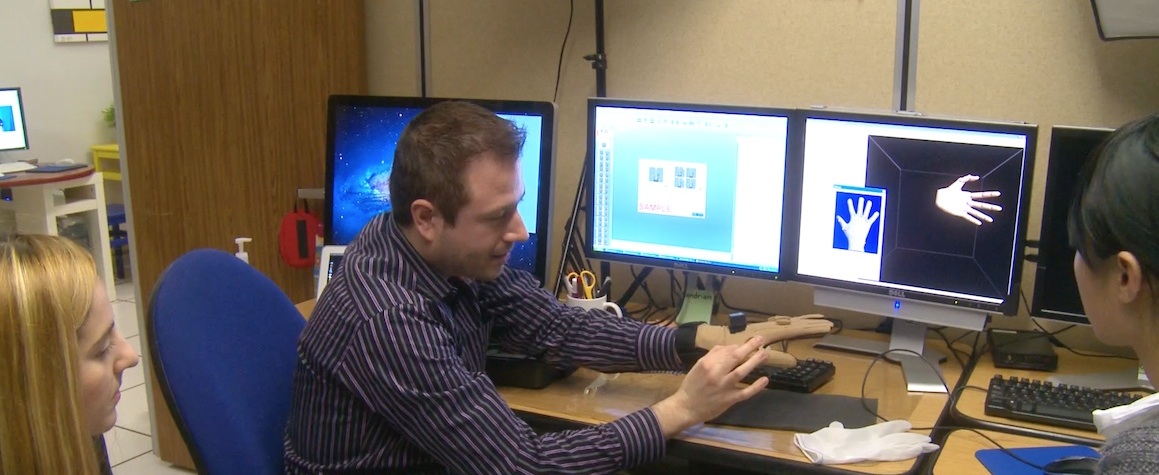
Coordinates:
(969, 258)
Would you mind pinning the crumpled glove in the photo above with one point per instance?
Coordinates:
(773, 330)
(884, 442)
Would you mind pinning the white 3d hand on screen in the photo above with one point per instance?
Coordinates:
(958, 202)
(857, 229)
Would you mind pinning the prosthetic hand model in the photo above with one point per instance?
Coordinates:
(693, 341)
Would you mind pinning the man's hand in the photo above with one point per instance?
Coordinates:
(711, 386)
(773, 330)
(857, 229)
(958, 202)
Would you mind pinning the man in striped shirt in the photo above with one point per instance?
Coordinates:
(390, 375)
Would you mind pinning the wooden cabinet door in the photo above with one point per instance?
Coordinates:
(223, 107)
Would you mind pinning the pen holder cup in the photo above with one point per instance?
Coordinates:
(601, 303)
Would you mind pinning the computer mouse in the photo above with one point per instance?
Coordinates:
(1077, 465)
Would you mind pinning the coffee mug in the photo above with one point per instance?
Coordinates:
(596, 303)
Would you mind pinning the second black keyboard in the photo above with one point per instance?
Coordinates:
(806, 377)
(1046, 403)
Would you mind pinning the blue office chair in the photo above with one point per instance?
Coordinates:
(223, 340)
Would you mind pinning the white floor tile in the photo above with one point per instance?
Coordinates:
(125, 314)
(133, 410)
(124, 445)
(134, 376)
(148, 464)
(127, 291)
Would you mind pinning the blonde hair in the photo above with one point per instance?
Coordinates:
(46, 291)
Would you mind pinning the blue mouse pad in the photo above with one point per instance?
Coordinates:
(999, 462)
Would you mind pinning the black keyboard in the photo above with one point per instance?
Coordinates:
(806, 377)
(1046, 403)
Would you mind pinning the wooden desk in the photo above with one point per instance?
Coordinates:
(957, 453)
(754, 449)
(565, 404)
(970, 406)
(39, 198)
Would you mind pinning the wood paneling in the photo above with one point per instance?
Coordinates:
(224, 116)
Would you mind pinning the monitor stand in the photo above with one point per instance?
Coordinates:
(1128, 379)
(920, 376)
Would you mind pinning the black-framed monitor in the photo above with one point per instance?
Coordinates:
(1056, 294)
(886, 225)
(362, 133)
(13, 132)
(689, 186)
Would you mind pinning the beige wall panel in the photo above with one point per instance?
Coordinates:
(1039, 61)
(392, 48)
(761, 52)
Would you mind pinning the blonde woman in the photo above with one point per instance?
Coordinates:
(61, 357)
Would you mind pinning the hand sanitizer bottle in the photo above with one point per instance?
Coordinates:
(241, 254)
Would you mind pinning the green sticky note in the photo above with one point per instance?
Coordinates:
(697, 307)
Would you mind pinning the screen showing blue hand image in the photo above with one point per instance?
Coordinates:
(860, 217)
(7, 120)
(668, 192)
(365, 138)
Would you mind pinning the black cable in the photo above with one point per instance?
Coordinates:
(1072, 350)
(949, 400)
(953, 351)
(566, 34)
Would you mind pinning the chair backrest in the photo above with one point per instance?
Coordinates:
(223, 339)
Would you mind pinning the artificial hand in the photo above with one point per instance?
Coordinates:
(958, 202)
(857, 229)
(884, 442)
(775, 329)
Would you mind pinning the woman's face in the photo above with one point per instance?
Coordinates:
(104, 357)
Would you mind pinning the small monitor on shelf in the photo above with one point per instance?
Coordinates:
(13, 132)
(915, 218)
(691, 187)
(362, 133)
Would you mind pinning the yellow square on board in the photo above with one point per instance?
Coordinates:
(89, 21)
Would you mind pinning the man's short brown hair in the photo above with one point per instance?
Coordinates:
(434, 150)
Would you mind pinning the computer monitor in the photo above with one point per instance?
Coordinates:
(1056, 295)
(886, 226)
(691, 187)
(13, 134)
(362, 133)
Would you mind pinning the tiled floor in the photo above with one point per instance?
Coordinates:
(130, 442)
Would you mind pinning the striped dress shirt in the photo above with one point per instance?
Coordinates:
(390, 373)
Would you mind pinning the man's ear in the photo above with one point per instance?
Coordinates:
(427, 219)
(1131, 280)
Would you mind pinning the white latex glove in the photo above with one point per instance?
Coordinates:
(884, 442)
(961, 203)
(860, 221)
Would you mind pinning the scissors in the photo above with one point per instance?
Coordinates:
(583, 282)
